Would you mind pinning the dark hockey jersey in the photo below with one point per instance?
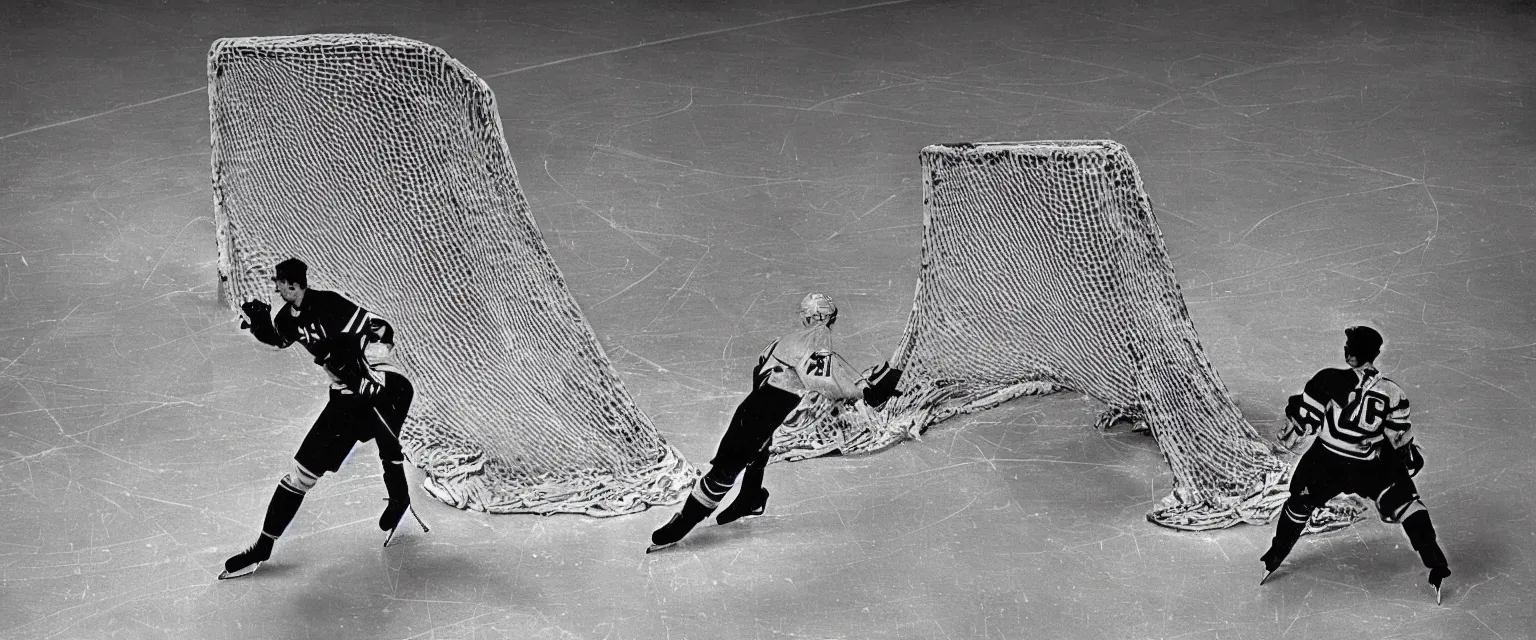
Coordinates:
(321, 323)
(1355, 414)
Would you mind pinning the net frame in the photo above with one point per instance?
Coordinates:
(1225, 473)
(479, 419)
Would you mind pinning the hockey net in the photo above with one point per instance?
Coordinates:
(1043, 269)
(381, 162)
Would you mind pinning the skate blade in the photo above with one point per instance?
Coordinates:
(1264, 579)
(658, 547)
(244, 571)
(743, 518)
(411, 509)
(1437, 595)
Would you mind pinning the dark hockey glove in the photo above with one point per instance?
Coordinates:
(882, 381)
(258, 318)
(1300, 421)
(378, 330)
(1411, 458)
(343, 359)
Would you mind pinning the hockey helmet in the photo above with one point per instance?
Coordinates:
(818, 307)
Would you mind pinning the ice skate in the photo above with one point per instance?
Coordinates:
(399, 497)
(745, 506)
(1437, 576)
(1271, 564)
(681, 523)
(394, 516)
(246, 562)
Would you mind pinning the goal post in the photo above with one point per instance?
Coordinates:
(381, 162)
(1043, 269)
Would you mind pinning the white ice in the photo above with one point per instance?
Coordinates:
(695, 168)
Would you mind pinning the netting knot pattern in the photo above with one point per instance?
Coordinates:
(1043, 269)
(381, 162)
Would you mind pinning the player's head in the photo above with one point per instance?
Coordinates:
(818, 308)
(290, 278)
(1361, 344)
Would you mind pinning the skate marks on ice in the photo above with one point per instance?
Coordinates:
(1368, 163)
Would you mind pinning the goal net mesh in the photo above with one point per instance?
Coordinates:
(381, 162)
(1043, 269)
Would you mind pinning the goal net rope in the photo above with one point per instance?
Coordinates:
(1043, 269)
(381, 162)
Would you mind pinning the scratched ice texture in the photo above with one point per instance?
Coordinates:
(695, 168)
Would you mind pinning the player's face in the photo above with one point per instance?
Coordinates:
(286, 290)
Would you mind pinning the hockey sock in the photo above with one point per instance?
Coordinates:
(285, 504)
(752, 479)
(399, 495)
(1287, 531)
(1421, 534)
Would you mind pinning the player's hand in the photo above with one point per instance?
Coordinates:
(257, 312)
(1292, 435)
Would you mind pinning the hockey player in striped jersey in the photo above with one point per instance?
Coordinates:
(369, 399)
(1364, 446)
(798, 363)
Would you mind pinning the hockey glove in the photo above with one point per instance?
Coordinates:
(882, 380)
(378, 330)
(1300, 421)
(258, 318)
(344, 361)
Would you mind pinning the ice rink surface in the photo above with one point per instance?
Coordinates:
(696, 167)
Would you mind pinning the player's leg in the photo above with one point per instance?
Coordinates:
(1399, 502)
(1314, 482)
(323, 450)
(752, 499)
(754, 421)
(771, 406)
(387, 416)
(280, 511)
(701, 502)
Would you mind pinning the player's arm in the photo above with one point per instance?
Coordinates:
(1397, 428)
(827, 373)
(258, 318)
(879, 384)
(347, 361)
(763, 370)
(358, 340)
(1305, 411)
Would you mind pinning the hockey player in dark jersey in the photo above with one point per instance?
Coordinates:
(796, 364)
(1364, 446)
(369, 399)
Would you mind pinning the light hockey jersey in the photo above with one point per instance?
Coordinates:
(1356, 414)
(804, 361)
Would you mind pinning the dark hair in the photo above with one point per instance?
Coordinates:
(292, 270)
(1363, 343)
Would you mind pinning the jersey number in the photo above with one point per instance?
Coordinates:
(819, 364)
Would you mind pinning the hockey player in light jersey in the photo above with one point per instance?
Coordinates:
(1364, 446)
(798, 363)
(369, 399)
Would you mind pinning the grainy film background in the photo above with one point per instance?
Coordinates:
(696, 168)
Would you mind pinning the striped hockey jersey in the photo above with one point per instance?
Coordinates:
(324, 319)
(1356, 414)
